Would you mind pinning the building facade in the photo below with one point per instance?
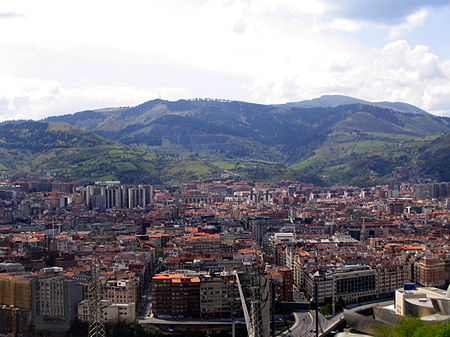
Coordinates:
(55, 299)
(196, 295)
(431, 272)
(111, 312)
(350, 284)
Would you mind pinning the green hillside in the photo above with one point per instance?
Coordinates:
(434, 158)
(74, 153)
(169, 142)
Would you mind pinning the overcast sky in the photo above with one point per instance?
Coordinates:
(58, 57)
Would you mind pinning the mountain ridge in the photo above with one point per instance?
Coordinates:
(337, 100)
(255, 129)
(345, 143)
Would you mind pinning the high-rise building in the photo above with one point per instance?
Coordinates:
(433, 190)
(259, 228)
(140, 196)
(113, 195)
(136, 197)
(55, 299)
(98, 202)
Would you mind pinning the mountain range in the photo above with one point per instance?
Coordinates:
(332, 139)
(327, 101)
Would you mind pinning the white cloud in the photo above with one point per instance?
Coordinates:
(67, 56)
(16, 93)
(25, 98)
(240, 26)
(345, 25)
(396, 72)
(412, 21)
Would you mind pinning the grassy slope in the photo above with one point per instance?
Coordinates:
(343, 144)
(71, 152)
(365, 148)
(435, 158)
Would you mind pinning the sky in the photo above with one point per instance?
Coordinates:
(59, 57)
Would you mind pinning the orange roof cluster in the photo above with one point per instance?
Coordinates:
(176, 278)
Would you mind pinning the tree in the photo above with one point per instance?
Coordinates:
(131, 330)
(326, 309)
(414, 327)
(339, 304)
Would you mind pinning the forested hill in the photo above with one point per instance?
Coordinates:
(357, 143)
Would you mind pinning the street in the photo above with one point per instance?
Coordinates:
(305, 325)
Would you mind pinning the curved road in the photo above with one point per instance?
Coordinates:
(304, 325)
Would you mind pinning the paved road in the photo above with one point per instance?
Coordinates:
(145, 306)
(305, 325)
(153, 320)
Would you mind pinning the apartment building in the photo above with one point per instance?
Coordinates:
(13, 321)
(55, 299)
(195, 295)
(391, 276)
(111, 312)
(283, 283)
(431, 271)
(121, 291)
(15, 290)
(433, 190)
(176, 295)
(113, 195)
(15, 304)
(219, 296)
(350, 284)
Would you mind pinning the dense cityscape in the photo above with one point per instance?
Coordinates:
(177, 257)
(217, 168)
